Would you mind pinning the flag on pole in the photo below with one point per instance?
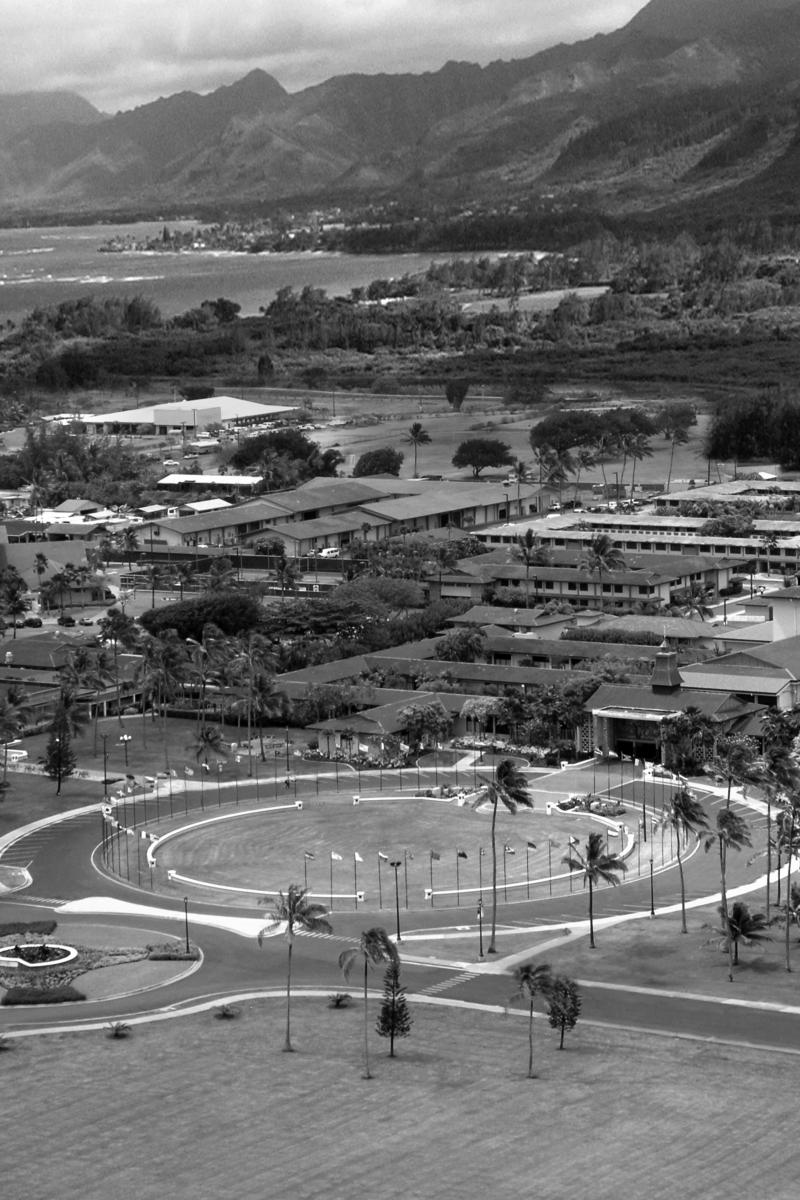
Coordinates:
(508, 849)
(307, 854)
(188, 771)
(481, 850)
(357, 857)
(336, 857)
(383, 857)
(461, 854)
(531, 844)
(435, 856)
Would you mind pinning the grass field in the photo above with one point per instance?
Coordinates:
(200, 1109)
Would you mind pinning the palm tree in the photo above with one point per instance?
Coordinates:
(597, 866)
(374, 947)
(788, 841)
(695, 599)
(299, 913)
(531, 980)
(687, 735)
(600, 556)
(128, 544)
(743, 926)
(731, 833)
(584, 461)
(183, 574)
(287, 573)
(509, 787)
(417, 436)
(254, 665)
(155, 574)
(122, 631)
(208, 741)
(532, 553)
(685, 815)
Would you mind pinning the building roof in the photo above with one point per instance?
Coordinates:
(495, 614)
(235, 514)
(231, 409)
(176, 478)
(631, 698)
(679, 629)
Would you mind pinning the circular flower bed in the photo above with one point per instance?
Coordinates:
(34, 955)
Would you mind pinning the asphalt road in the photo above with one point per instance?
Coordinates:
(64, 868)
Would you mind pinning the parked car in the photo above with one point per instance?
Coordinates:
(329, 552)
(66, 619)
(86, 621)
(33, 622)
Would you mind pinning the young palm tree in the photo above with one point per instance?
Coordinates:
(208, 741)
(123, 632)
(299, 913)
(731, 833)
(685, 815)
(128, 544)
(743, 926)
(287, 573)
(374, 947)
(600, 556)
(532, 980)
(183, 574)
(417, 436)
(509, 787)
(597, 866)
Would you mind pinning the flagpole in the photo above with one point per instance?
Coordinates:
(505, 887)
(355, 882)
(380, 889)
(305, 872)
(405, 874)
(431, 866)
(458, 882)
(331, 881)
(480, 869)
(527, 870)
(550, 866)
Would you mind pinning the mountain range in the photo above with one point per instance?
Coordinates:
(693, 102)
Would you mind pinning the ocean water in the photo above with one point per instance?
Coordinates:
(44, 266)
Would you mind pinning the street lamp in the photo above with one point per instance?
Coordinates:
(652, 894)
(396, 864)
(480, 927)
(186, 920)
(124, 738)
(105, 766)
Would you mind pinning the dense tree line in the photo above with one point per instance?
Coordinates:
(759, 426)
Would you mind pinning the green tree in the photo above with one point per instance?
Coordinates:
(466, 645)
(383, 461)
(417, 436)
(731, 833)
(597, 866)
(685, 815)
(394, 1018)
(480, 453)
(298, 913)
(532, 980)
(13, 715)
(59, 759)
(565, 1005)
(455, 391)
(374, 948)
(508, 787)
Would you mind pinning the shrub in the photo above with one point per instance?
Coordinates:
(5, 1043)
(227, 1012)
(118, 1030)
(33, 995)
(171, 952)
(14, 927)
(339, 1000)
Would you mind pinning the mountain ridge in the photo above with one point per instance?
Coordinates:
(691, 96)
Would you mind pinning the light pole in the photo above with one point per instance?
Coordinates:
(396, 864)
(124, 738)
(186, 920)
(105, 766)
(480, 927)
(652, 893)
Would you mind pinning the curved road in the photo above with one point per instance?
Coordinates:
(63, 870)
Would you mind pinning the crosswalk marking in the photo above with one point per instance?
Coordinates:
(445, 984)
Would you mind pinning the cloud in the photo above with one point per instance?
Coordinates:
(120, 53)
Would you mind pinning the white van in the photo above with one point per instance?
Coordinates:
(329, 552)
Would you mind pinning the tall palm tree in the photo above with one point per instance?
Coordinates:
(121, 631)
(254, 663)
(287, 573)
(584, 461)
(509, 787)
(788, 841)
(743, 926)
(695, 600)
(299, 913)
(128, 544)
(530, 551)
(731, 833)
(600, 556)
(208, 741)
(597, 866)
(531, 980)
(417, 436)
(374, 948)
(155, 575)
(685, 815)
(183, 574)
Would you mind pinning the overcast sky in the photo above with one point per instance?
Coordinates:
(120, 53)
